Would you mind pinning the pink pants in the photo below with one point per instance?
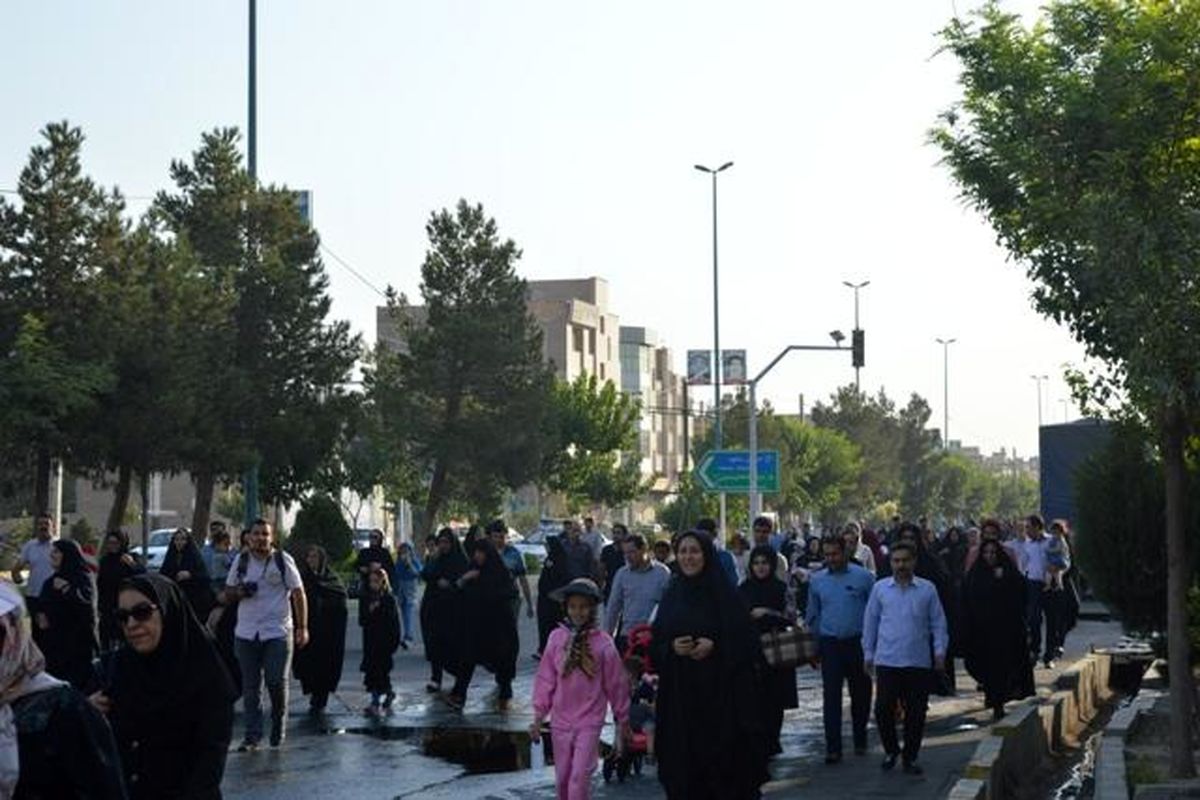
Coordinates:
(575, 755)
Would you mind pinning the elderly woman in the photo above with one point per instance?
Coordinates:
(68, 615)
(168, 695)
(52, 743)
(710, 738)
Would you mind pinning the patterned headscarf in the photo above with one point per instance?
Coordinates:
(22, 672)
(579, 652)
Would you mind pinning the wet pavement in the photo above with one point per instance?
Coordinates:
(425, 750)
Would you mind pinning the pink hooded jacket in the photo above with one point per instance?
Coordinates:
(577, 701)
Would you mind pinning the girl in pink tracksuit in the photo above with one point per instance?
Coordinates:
(580, 676)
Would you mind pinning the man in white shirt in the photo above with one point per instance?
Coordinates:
(35, 557)
(903, 615)
(1033, 564)
(592, 537)
(268, 591)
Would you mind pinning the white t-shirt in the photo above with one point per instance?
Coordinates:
(268, 614)
(595, 540)
(36, 554)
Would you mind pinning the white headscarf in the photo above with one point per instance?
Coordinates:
(22, 672)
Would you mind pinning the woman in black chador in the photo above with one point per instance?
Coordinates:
(184, 565)
(379, 617)
(67, 616)
(996, 647)
(489, 638)
(765, 597)
(710, 738)
(553, 577)
(318, 666)
(441, 616)
(116, 565)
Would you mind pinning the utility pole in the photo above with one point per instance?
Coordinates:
(945, 343)
(855, 287)
(716, 372)
(250, 480)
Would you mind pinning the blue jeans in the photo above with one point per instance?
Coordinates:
(842, 663)
(264, 661)
(406, 596)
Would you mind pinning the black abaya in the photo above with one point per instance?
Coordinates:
(552, 578)
(197, 586)
(710, 738)
(441, 607)
(68, 600)
(380, 620)
(490, 629)
(318, 666)
(780, 682)
(996, 647)
(114, 569)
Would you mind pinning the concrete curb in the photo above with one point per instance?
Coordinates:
(1111, 780)
(1017, 745)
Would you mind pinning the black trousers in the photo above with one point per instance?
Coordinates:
(463, 682)
(909, 686)
(842, 663)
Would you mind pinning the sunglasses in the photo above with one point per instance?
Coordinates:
(142, 612)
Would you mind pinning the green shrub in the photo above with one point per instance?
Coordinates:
(320, 522)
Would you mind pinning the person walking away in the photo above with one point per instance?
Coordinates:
(581, 561)
(318, 667)
(184, 564)
(592, 537)
(837, 603)
(637, 589)
(272, 614)
(408, 572)
(167, 695)
(580, 676)
(903, 613)
(116, 566)
(995, 616)
(35, 558)
(552, 578)
(53, 743)
(380, 620)
(490, 637)
(765, 597)
(858, 552)
(68, 615)
(441, 609)
(1035, 565)
(514, 562)
(709, 736)
(373, 556)
(612, 557)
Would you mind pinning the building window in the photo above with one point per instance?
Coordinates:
(577, 339)
(603, 375)
(591, 334)
(602, 323)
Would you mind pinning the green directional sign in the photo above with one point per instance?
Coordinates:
(729, 471)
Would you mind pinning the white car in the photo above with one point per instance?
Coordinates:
(157, 546)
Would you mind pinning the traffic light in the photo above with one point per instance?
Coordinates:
(858, 347)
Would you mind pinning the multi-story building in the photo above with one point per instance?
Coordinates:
(647, 372)
(579, 333)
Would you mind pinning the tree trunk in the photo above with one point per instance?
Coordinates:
(41, 483)
(1178, 580)
(433, 503)
(116, 515)
(205, 482)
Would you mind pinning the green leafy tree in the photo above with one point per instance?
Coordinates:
(465, 398)
(1078, 140)
(319, 521)
(54, 242)
(273, 369)
(590, 427)
(870, 424)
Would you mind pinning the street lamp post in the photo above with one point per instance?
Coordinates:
(250, 479)
(855, 287)
(1038, 380)
(752, 437)
(945, 343)
(716, 371)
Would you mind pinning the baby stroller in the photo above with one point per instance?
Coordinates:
(636, 750)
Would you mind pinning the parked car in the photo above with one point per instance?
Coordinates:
(157, 545)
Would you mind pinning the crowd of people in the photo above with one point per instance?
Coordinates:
(667, 635)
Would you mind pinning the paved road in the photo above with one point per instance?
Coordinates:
(393, 760)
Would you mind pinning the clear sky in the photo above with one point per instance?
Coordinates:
(577, 125)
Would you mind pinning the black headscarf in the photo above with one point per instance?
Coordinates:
(113, 569)
(321, 580)
(185, 663)
(450, 565)
(769, 592)
(74, 569)
(554, 573)
(187, 560)
(493, 574)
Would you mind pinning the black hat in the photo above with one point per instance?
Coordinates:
(580, 586)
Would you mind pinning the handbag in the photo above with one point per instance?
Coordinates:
(789, 647)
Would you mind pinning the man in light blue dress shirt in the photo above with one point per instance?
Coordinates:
(903, 619)
(837, 600)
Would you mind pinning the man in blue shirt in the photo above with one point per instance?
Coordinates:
(837, 600)
(903, 616)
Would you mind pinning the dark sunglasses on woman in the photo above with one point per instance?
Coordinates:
(142, 612)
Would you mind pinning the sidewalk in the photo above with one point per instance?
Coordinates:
(393, 760)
